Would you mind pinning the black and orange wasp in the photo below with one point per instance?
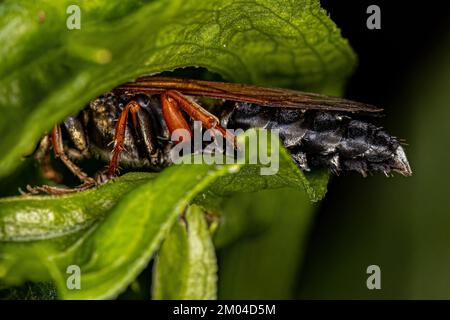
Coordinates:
(317, 130)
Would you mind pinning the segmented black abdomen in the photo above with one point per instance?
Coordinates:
(330, 139)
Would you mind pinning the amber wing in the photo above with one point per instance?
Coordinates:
(270, 97)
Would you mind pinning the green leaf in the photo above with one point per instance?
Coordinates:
(261, 243)
(186, 263)
(110, 254)
(123, 220)
(28, 218)
(48, 72)
(30, 291)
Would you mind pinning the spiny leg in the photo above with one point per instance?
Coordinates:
(56, 190)
(173, 118)
(58, 149)
(119, 135)
(197, 112)
(171, 114)
(171, 102)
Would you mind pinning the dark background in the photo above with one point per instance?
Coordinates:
(363, 221)
(387, 57)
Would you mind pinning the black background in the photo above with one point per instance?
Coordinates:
(410, 33)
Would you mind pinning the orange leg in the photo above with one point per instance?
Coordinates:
(171, 102)
(119, 134)
(196, 112)
(173, 117)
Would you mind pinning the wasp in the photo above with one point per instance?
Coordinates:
(132, 125)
